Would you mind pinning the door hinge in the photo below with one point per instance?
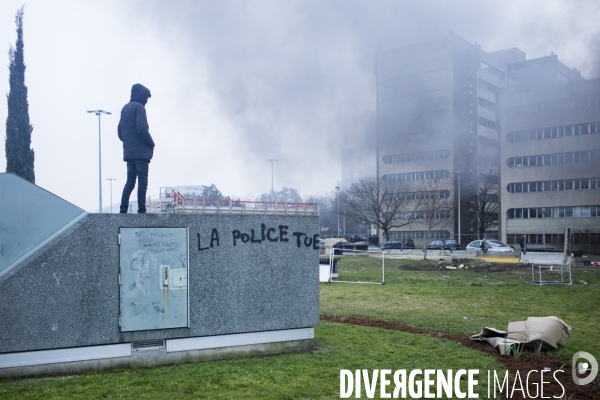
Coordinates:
(119, 239)
(120, 280)
(119, 320)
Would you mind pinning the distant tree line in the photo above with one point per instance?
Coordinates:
(285, 195)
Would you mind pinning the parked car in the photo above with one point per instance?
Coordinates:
(338, 249)
(356, 239)
(446, 244)
(402, 244)
(495, 246)
(345, 248)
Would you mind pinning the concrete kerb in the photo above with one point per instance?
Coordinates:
(153, 357)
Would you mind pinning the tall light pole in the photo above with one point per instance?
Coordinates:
(272, 160)
(344, 221)
(543, 228)
(111, 179)
(338, 196)
(378, 61)
(99, 113)
(458, 173)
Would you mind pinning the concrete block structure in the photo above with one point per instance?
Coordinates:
(131, 289)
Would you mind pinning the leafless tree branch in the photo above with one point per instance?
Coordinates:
(366, 201)
(436, 207)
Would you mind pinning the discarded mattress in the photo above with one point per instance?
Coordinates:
(537, 332)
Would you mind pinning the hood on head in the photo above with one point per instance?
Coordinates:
(140, 93)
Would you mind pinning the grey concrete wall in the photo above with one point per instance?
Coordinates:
(154, 357)
(67, 295)
(29, 218)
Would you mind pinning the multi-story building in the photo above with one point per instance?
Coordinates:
(436, 119)
(550, 146)
(448, 110)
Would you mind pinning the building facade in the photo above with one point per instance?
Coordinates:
(550, 142)
(437, 120)
(515, 142)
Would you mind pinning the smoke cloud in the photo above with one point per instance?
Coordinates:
(237, 82)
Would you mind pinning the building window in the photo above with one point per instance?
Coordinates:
(486, 141)
(552, 106)
(554, 212)
(554, 132)
(488, 86)
(442, 194)
(434, 234)
(417, 215)
(554, 186)
(554, 159)
(487, 123)
(486, 104)
(417, 176)
(553, 238)
(492, 70)
(421, 156)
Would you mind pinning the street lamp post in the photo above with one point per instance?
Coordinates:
(338, 196)
(99, 113)
(543, 228)
(272, 160)
(111, 202)
(458, 172)
(344, 221)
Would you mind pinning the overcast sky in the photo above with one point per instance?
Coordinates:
(237, 82)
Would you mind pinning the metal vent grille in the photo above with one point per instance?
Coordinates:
(148, 344)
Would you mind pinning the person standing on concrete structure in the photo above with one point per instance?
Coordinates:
(138, 146)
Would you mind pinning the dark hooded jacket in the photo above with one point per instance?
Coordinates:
(133, 126)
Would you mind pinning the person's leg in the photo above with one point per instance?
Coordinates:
(142, 173)
(129, 185)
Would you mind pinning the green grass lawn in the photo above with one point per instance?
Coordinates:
(290, 376)
(440, 300)
(434, 300)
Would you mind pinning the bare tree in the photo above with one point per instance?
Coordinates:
(436, 205)
(483, 199)
(387, 203)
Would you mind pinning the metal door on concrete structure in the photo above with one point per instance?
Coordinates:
(153, 278)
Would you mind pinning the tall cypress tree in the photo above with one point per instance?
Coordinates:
(19, 155)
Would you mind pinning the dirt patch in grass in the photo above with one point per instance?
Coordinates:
(524, 363)
(468, 265)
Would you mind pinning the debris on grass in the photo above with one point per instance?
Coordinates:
(539, 333)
